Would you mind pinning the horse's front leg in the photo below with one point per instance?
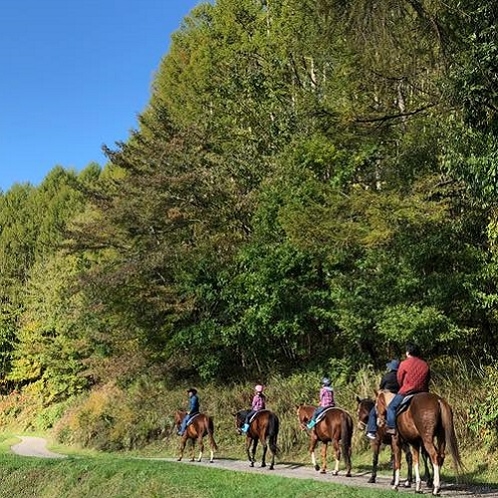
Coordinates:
(409, 466)
(192, 457)
(249, 442)
(396, 447)
(182, 448)
(265, 449)
(323, 470)
(313, 443)
(252, 452)
(375, 461)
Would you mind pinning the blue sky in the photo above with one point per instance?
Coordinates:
(75, 75)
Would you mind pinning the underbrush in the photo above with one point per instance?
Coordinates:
(139, 418)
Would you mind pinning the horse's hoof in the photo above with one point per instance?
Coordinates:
(192, 459)
(251, 464)
(317, 468)
(323, 471)
(436, 491)
(372, 480)
(271, 467)
(263, 465)
(211, 461)
(348, 474)
(407, 484)
(179, 459)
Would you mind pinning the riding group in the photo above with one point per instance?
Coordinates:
(404, 415)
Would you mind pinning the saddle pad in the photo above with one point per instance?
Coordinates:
(191, 419)
(322, 414)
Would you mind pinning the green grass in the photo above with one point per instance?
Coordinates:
(109, 476)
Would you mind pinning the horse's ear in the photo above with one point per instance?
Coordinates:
(358, 399)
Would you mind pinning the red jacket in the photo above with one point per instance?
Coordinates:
(413, 376)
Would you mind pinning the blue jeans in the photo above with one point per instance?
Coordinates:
(185, 422)
(391, 410)
(372, 421)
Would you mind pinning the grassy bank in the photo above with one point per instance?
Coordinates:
(118, 477)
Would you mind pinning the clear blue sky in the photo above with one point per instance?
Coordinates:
(75, 75)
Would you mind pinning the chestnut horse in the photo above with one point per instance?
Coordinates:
(426, 423)
(335, 427)
(199, 426)
(263, 426)
(363, 411)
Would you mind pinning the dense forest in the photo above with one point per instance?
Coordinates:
(312, 183)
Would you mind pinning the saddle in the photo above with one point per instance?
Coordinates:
(404, 404)
(253, 416)
(322, 414)
(192, 418)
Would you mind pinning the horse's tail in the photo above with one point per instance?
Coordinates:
(450, 435)
(346, 432)
(273, 427)
(210, 432)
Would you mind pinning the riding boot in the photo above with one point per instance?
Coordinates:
(245, 428)
(311, 424)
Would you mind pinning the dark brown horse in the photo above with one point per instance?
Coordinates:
(263, 427)
(335, 427)
(426, 423)
(363, 411)
(200, 426)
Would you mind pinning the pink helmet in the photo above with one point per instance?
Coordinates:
(259, 388)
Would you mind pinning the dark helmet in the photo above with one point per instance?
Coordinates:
(393, 365)
(412, 349)
(192, 390)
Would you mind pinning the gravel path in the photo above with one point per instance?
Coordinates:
(34, 447)
(298, 471)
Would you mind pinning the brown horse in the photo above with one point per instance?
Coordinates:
(363, 411)
(426, 423)
(335, 427)
(200, 425)
(263, 426)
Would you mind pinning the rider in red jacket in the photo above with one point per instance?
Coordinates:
(413, 377)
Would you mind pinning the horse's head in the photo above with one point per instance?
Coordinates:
(239, 419)
(363, 410)
(304, 414)
(179, 416)
(381, 406)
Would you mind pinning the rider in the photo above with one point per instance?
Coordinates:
(258, 403)
(193, 409)
(413, 377)
(389, 382)
(326, 401)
